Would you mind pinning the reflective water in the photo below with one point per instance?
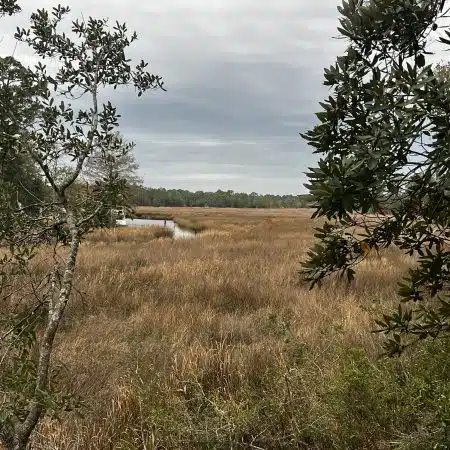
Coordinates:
(178, 233)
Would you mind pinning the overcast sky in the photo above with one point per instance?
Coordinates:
(243, 78)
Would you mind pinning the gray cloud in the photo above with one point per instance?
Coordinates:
(243, 78)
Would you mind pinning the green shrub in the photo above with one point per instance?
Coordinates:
(400, 402)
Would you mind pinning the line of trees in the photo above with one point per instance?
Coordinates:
(146, 196)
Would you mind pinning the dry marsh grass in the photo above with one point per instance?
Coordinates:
(191, 225)
(212, 343)
(125, 234)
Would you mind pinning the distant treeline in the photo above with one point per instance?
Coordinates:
(145, 196)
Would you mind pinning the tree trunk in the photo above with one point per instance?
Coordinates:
(10, 439)
(17, 438)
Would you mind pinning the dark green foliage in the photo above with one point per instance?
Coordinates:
(19, 110)
(9, 7)
(384, 141)
(46, 136)
(219, 199)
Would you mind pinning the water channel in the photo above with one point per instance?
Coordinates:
(178, 233)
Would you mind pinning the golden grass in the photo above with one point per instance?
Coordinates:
(125, 234)
(212, 342)
(227, 214)
(191, 225)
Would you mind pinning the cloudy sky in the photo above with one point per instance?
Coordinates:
(243, 78)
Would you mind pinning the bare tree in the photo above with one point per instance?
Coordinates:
(113, 169)
(114, 162)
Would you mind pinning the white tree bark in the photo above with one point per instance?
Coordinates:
(23, 430)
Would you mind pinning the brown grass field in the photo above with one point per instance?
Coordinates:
(212, 343)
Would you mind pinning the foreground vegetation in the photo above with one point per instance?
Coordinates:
(211, 343)
(382, 138)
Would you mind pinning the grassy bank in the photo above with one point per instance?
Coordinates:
(154, 215)
(211, 343)
(191, 225)
(130, 235)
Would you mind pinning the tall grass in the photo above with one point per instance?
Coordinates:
(191, 225)
(131, 235)
(212, 343)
